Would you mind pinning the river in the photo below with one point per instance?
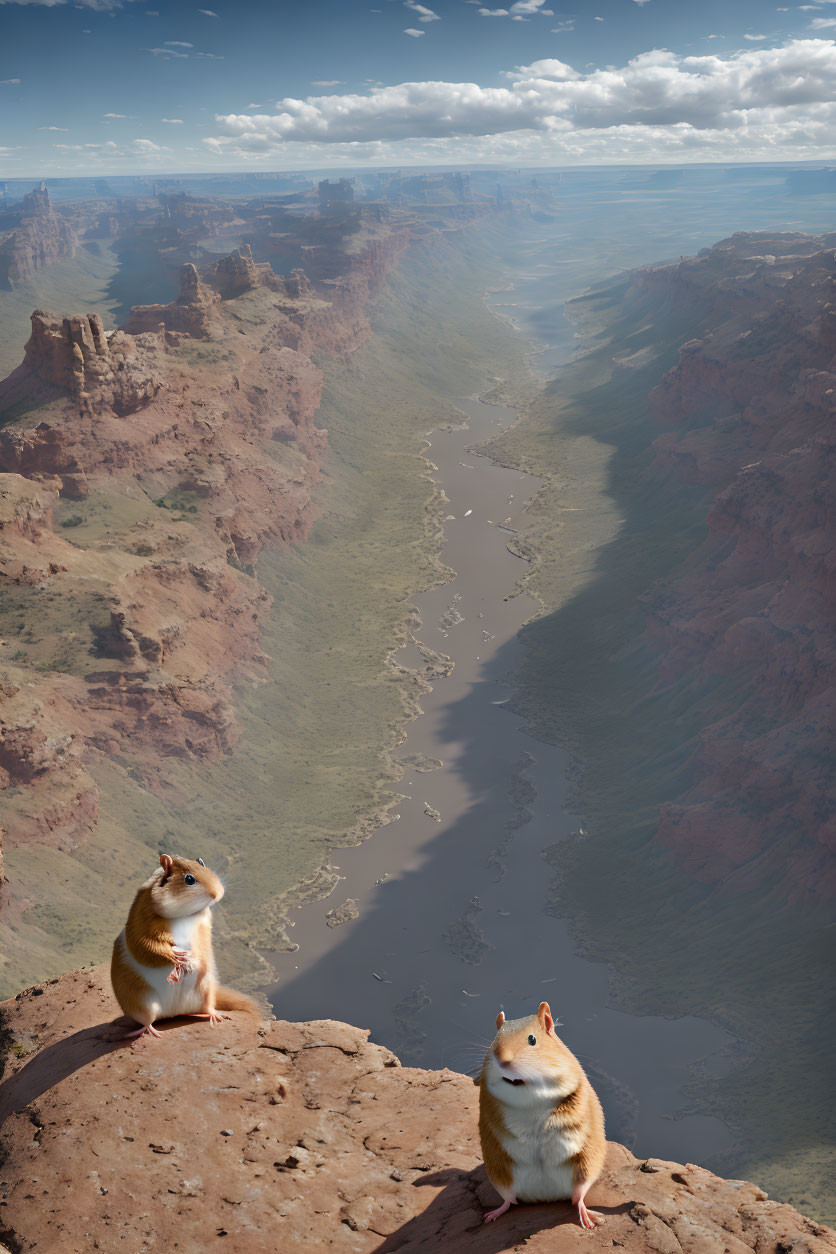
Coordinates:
(450, 894)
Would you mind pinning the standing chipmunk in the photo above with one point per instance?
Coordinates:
(162, 963)
(540, 1122)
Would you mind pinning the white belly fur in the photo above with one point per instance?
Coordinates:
(167, 1000)
(539, 1157)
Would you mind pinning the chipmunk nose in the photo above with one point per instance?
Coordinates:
(504, 1057)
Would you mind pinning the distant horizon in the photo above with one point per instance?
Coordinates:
(360, 170)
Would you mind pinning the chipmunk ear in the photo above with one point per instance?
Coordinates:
(166, 863)
(201, 862)
(500, 1019)
(544, 1014)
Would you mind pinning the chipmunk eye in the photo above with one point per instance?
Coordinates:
(189, 879)
(532, 1040)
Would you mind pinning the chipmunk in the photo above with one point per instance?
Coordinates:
(162, 963)
(540, 1122)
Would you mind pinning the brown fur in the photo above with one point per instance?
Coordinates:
(589, 1115)
(128, 985)
(150, 941)
(147, 934)
(228, 999)
(578, 1110)
(497, 1161)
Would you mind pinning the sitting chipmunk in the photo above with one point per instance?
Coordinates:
(540, 1122)
(162, 963)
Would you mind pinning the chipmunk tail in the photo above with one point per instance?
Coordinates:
(228, 999)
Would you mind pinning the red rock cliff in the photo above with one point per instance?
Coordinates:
(750, 412)
(178, 418)
(40, 237)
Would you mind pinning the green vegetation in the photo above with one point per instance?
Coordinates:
(310, 769)
(602, 533)
(52, 628)
(199, 353)
(180, 500)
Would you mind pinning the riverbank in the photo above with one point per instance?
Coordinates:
(311, 771)
(601, 536)
(440, 918)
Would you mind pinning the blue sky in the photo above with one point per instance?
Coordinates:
(122, 85)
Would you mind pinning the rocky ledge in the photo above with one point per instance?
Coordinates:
(305, 1136)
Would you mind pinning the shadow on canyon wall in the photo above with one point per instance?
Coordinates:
(585, 677)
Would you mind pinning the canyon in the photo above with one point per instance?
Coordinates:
(167, 488)
(680, 549)
(142, 471)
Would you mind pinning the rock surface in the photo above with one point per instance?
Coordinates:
(298, 1136)
(750, 412)
(39, 237)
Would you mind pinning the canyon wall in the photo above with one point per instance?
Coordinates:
(142, 471)
(38, 237)
(750, 413)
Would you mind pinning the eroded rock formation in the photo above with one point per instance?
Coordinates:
(39, 238)
(98, 370)
(190, 312)
(300, 1136)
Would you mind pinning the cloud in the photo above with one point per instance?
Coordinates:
(549, 68)
(115, 115)
(171, 50)
(173, 121)
(526, 8)
(424, 14)
(110, 149)
(413, 33)
(823, 23)
(99, 6)
(9, 82)
(520, 11)
(208, 12)
(757, 101)
(755, 38)
(320, 82)
(53, 128)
